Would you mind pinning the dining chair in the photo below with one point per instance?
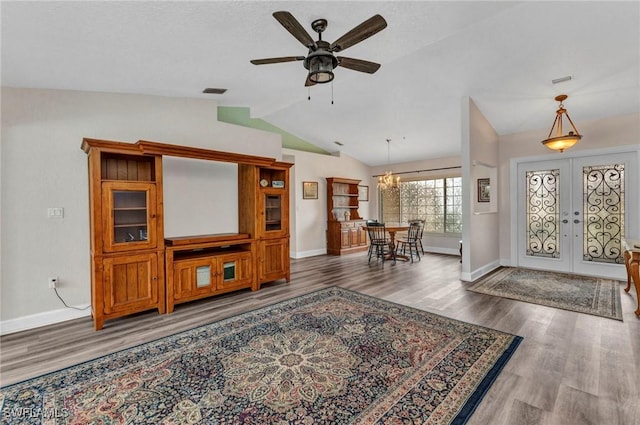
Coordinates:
(412, 240)
(421, 222)
(378, 241)
(420, 235)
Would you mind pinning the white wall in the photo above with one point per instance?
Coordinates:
(43, 166)
(481, 226)
(200, 197)
(596, 134)
(309, 216)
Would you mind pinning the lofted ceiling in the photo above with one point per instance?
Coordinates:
(433, 54)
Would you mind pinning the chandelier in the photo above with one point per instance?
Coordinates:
(388, 181)
(561, 142)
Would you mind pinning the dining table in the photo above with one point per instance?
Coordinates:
(392, 230)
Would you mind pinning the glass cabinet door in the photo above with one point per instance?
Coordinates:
(130, 216)
(273, 212)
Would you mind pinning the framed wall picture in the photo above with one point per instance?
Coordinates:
(484, 190)
(309, 190)
(363, 193)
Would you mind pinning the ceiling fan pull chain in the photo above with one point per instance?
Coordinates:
(309, 95)
(332, 92)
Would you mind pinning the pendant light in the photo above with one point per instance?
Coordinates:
(388, 181)
(560, 141)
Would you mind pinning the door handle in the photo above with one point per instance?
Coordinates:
(576, 221)
(565, 221)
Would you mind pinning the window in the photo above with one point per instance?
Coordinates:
(438, 202)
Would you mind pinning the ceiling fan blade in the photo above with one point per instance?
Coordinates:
(309, 83)
(276, 60)
(292, 25)
(358, 64)
(363, 31)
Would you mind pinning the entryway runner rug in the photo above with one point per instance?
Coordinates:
(591, 295)
(329, 357)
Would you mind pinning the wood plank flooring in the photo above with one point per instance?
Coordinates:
(570, 369)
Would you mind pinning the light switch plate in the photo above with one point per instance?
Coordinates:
(55, 212)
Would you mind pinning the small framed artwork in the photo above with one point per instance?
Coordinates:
(309, 190)
(363, 193)
(484, 190)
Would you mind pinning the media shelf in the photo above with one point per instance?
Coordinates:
(206, 265)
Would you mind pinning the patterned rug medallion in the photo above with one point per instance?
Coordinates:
(591, 295)
(329, 357)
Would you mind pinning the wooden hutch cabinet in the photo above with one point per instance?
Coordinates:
(346, 230)
(127, 243)
(130, 257)
(264, 212)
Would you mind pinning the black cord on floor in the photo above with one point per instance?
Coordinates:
(68, 306)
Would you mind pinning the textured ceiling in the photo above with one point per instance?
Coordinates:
(501, 54)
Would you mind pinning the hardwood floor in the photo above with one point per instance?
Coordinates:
(570, 368)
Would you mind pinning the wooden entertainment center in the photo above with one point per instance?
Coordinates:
(134, 268)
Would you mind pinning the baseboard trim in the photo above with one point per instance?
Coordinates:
(478, 273)
(305, 254)
(505, 262)
(41, 319)
(441, 250)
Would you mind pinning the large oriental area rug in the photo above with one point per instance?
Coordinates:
(591, 295)
(329, 357)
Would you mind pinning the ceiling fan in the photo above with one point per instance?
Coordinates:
(321, 61)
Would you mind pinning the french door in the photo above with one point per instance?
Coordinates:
(573, 213)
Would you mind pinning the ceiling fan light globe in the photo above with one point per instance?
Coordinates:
(320, 77)
(321, 66)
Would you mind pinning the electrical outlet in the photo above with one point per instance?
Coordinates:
(53, 282)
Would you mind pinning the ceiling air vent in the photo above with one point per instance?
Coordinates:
(562, 79)
(210, 90)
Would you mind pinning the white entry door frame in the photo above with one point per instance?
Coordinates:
(570, 212)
